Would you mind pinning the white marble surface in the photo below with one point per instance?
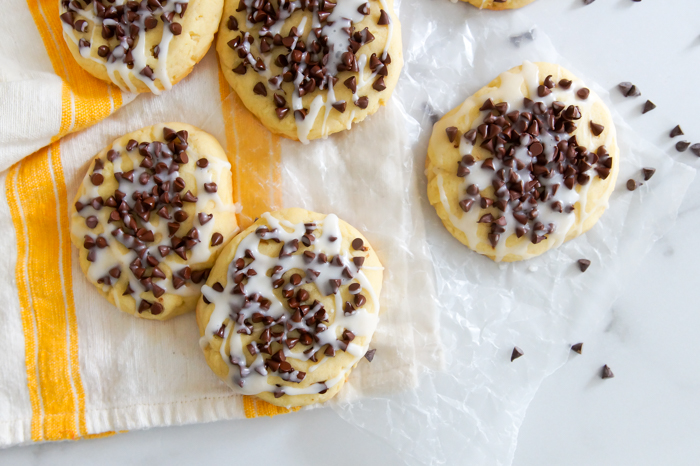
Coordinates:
(648, 414)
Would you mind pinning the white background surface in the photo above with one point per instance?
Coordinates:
(649, 413)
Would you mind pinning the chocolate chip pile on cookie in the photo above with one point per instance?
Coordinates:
(123, 26)
(270, 315)
(150, 226)
(331, 47)
(535, 165)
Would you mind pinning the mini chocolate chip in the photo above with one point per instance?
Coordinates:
(452, 133)
(369, 355)
(695, 149)
(648, 173)
(362, 102)
(176, 28)
(379, 84)
(240, 69)
(583, 264)
(682, 146)
(91, 221)
(565, 83)
(260, 89)
(383, 18)
(210, 187)
(578, 347)
(517, 352)
(217, 239)
(218, 287)
(202, 163)
(357, 244)
(583, 93)
(281, 112)
(97, 179)
(631, 185)
(648, 106)
(606, 373)
(232, 23)
(597, 129)
(677, 131)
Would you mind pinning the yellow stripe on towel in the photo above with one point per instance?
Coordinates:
(255, 157)
(36, 193)
(255, 407)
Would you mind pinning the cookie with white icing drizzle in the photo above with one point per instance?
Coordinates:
(290, 307)
(523, 165)
(151, 216)
(141, 46)
(310, 68)
(499, 4)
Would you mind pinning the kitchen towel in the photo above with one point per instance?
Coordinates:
(74, 366)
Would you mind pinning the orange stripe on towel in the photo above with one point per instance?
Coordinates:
(36, 193)
(255, 156)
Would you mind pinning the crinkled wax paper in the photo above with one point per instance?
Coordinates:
(474, 407)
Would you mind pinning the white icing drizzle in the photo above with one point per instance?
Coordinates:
(115, 62)
(242, 312)
(510, 91)
(113, 254)
(343, 15)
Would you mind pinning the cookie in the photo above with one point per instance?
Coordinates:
(151, 216)
(290, 307)
(140, 46)
(311, 68)
(499, 4)
(523, 165)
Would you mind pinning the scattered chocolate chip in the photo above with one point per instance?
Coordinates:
(369, 355)
(648, 106)
(583, 264)
(628, 89)
(631, 185)
(606, 373)
(383, 18)
(695, 149)
(677, 131)
(682, 146)
(517, 352)
(578, 348)
(648, 173)
(583, 93)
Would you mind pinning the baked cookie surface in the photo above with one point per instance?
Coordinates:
(290, 307)
(523, 165)
(141, 46)
(310, 68)
(499, 4)
(151, 216)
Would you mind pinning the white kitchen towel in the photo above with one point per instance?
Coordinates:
(74, 366)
